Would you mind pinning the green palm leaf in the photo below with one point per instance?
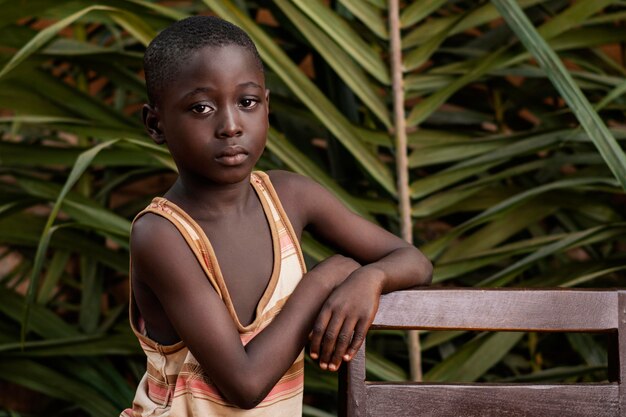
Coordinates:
(562, 80)
(351, 73)
(82, 163)
(130, 22)
(346, 38)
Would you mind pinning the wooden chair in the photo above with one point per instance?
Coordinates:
(554, 310)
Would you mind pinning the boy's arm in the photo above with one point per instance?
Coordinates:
(163, 262)
(389, 263)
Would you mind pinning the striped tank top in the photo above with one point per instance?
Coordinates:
(174, 384)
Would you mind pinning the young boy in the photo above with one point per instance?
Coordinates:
(220, 298)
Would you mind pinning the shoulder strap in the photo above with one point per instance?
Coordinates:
(264, 184)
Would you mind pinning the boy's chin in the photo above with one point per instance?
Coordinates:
(231, 175)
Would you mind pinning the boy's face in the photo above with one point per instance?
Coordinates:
(214, 115)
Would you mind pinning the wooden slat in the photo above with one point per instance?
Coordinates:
(499, 309)
(352, 380)
(621, 349)
(484, 400)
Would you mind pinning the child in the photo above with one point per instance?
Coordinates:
(224, 323)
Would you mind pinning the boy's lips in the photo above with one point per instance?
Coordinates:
(232, 155)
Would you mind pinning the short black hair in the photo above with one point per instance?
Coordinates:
(169, 50)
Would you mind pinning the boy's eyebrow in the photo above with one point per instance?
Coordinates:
(250, 84)
(199, 90)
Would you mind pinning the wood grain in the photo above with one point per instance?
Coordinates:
(482, 400)
(352, 380)
(522, 310)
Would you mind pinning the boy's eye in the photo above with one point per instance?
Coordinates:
(248, 103)
(201, 109)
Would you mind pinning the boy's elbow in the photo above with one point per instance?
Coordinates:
(247, 404)
(247, 394)
(425, 275)
(250, 398)
(428, 277)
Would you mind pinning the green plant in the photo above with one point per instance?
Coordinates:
(506, 188)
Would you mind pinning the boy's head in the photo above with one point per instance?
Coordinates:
(172, 47)
(208, 100)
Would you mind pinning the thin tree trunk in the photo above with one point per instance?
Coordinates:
(402, 169)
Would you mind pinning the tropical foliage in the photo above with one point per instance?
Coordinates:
(516, 130)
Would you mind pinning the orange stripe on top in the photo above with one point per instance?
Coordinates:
(175, 384)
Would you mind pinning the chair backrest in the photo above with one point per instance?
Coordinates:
(553, 310)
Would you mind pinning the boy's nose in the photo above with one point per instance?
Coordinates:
(229, 124)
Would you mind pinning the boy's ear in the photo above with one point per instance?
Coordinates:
(152, 122)
(267, 100)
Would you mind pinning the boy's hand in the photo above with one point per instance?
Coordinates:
(345, 317)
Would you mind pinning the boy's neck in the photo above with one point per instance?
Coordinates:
(206, 201)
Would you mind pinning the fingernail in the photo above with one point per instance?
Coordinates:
(346, 357)
(332, 367)
(323, 366)
(313, 355)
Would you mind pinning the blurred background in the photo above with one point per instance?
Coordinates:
(515, 173)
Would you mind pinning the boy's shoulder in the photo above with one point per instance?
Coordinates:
(300, 196)
(296, 187)
(151, 234)
(148, 224)
(287, 179)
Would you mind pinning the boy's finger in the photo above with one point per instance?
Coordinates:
(329, 340)
(342, 342)
(357, 340)
(319, 328)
